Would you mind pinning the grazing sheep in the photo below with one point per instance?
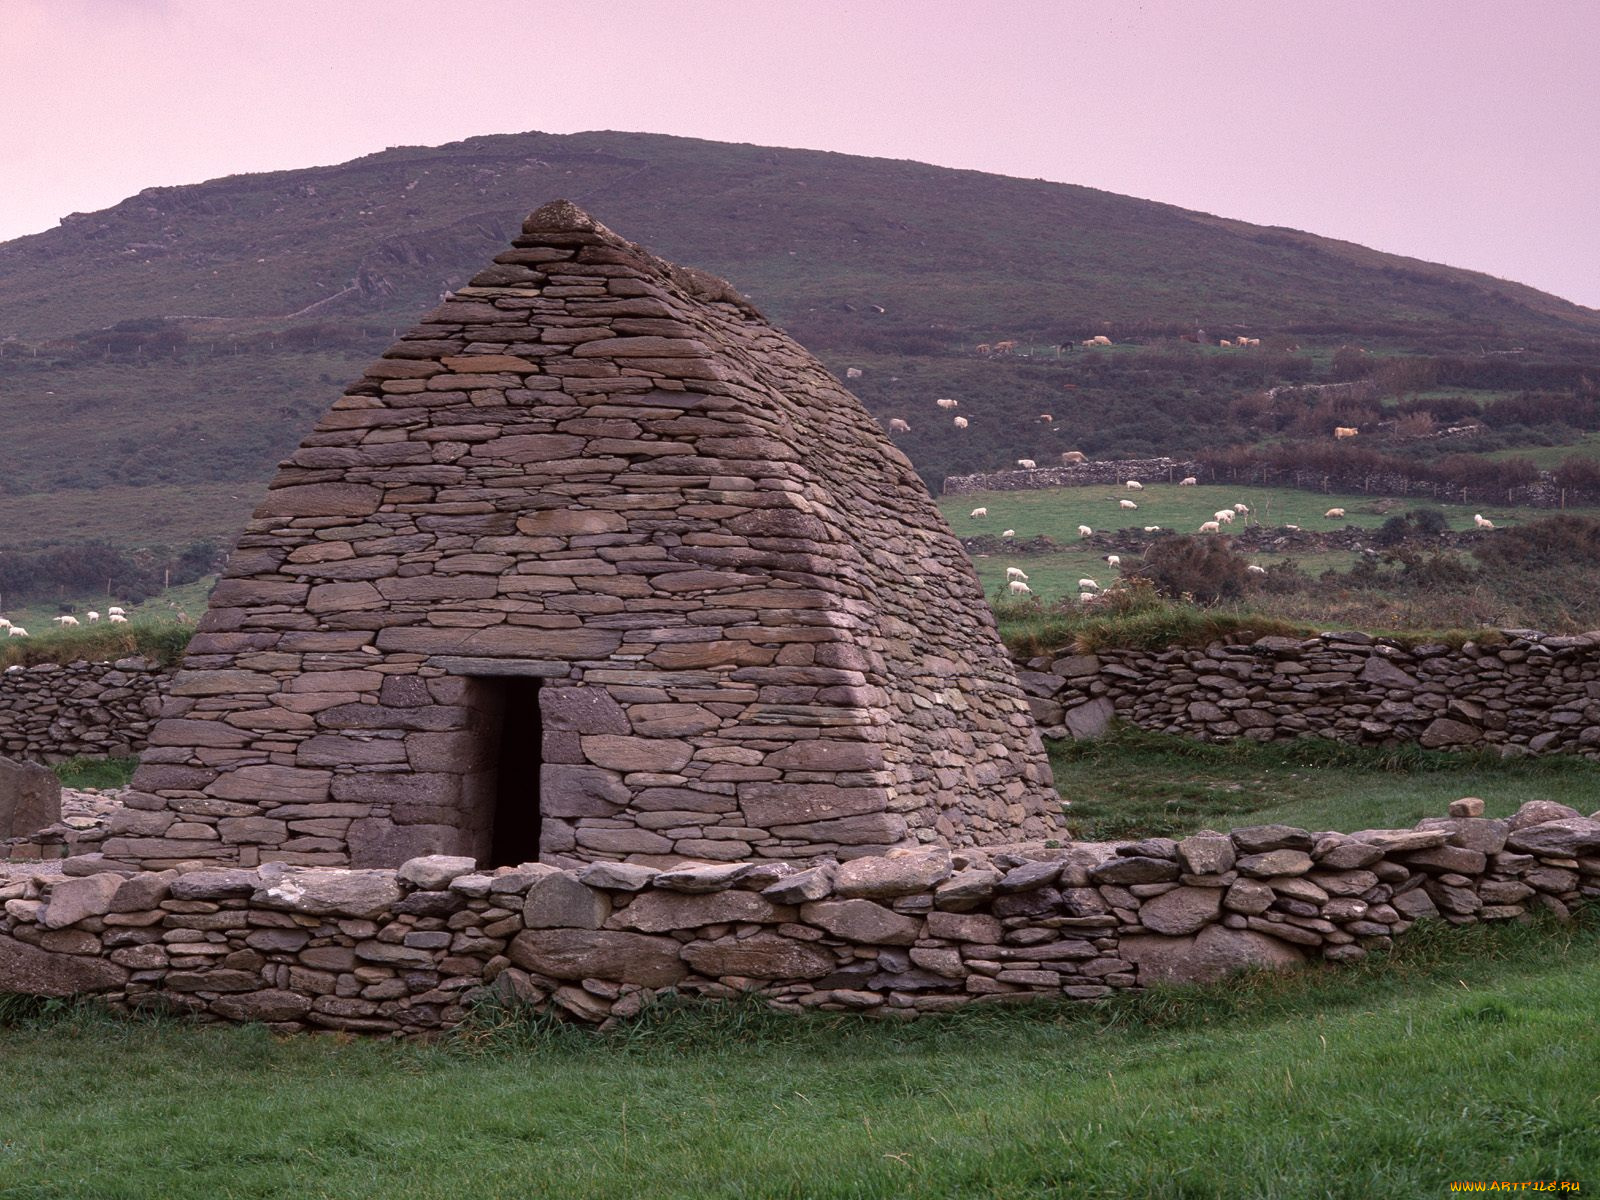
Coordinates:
(1481, 521)
(1088, 597)
(961, 422)
(1295, 528)
(16, 631)
(979, 512)
(1255, 570)
(1188, 481)
(1015, 573)
(1018, 588)
(4, 624)
(1126, 504)
(1334, 512)
(1008, 533)
(116, 612)
(1084, 531)
(1210, 527)
(1027, 464)
(118, 619)
(1345, 431)
(92, 615)
(65, 621)
(1114, 559)
(1152, 529)
(1005, 347)
(1225, 342)
(1242, 509)
(1223, 515)
(1088, 585)
(1133, 485)
(1069, 457)
(896, 425)
(947, 403)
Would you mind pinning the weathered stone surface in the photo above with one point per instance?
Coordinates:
(1183, 910)
(341, 893)
(893, 875)
(269, 1004)
(1565, 838)
(29, 971)
(814, 883)
(598, 954)
(654, 912)
(71, 900)
(30, 798)
(560, 901)
(1258, 839)
(434, 871)
(1274, 862)
(862, 921)
(1536, 812)
(1207, 853)
(1214, 954)
(1134, 870)
(762, 956)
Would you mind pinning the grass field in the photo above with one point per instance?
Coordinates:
(1466, 1054)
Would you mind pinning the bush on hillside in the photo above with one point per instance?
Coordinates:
(1555, 542)
(1205, 568)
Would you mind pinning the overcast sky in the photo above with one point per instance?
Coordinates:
(1460, 131)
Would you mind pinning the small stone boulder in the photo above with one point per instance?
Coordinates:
(30, 798)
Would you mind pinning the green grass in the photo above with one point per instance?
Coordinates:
(82, 771)
(1464, 1054)
(1134, 783)
(161, 639)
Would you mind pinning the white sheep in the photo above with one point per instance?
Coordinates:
(1133, 485)
(1085, 585)
(1295, 528)
(1008, 533)
(4, 624)
(1099, 339)
(65, 621)
(979, 512)
(1018, 588)
(16, 631)
(1126, 504)
(116, 612)
(1334, 512)
(961, 422)
(896, 425)
(1015, 573)
(1481, 521)
(1242, 509)
(1152, 529)
(118, 619)
(1088, 597)
(1114, 559)
(1223, 515)
(1255, 570)
(1027, 464)
(1224, 342)
(92, 615)
(852, 372)
(947, 403)
(1188, 481)
(1211, 527)
(1084, 531)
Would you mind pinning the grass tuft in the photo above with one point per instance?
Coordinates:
(161, 641)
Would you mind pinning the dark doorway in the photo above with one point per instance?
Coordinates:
(516, 829)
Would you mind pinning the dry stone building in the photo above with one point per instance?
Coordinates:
(593, 564)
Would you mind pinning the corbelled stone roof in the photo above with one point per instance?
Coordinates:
(754, 634)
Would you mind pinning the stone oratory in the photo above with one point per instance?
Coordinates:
(592, 564)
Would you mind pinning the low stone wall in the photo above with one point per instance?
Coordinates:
(1531, 693)
(52, 712)
(408, 950)
(1115, 472)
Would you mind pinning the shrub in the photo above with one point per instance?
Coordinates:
(1207, 569)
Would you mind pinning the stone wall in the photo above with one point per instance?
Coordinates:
(52, 712)
(1087, 474)
(1527, 693)
(409, 950)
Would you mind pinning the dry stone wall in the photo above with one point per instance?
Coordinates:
(1113, 472)
(52, 712)
(410, 950)
(1526, 693)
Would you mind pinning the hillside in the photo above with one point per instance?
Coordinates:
(157, 358)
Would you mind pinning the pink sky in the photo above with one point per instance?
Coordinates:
(1461, 131)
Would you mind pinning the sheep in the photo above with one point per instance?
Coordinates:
(4, 624)
(1018, 588)
(948, 403)
(16, 631)
(1223, 515)
(1345, 431)
(1027, 464)
(1114, 559)
(1210, 527)
(896, 425)
(118, 619)
(1008, 533)
(1255, 570)
(1098, 339)
(1046, 418)
(92, 615)
(1334, 512)
(1188, 481)
(1481, 521)
(961, 422)
(982, 347)
(1126, 504)
(1242, 509)
(1152, 529)
(65, 621)
(116, 612)
(1133, 485)
(1085, 585)
(852, 372)
(1015, 573)
(979, 512)
(1069, 457)
(1005, 347)
(1293, 528)
(1084, 531)
(1225, 342)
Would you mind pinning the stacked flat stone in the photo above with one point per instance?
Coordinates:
(1528, 693)
(51, 712)
(409, 950)
(757, 636)
(1085, 474)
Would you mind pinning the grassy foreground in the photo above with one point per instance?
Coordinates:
(1466, 1054)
